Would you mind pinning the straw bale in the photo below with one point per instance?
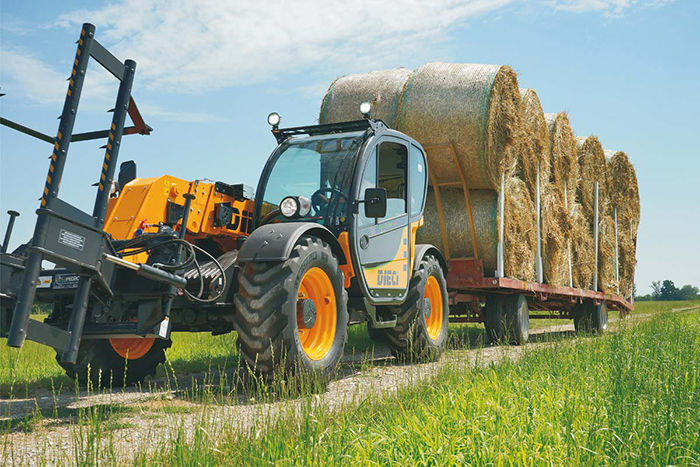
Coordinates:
(624, 196)
(477, 107)
(556, 233)
(606, 255)
(582, 249)
(593, 168)
(382, 89)
(519, 232)
(564, 162)
(535, 142)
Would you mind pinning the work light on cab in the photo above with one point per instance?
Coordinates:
(366, 109)
(274, 119)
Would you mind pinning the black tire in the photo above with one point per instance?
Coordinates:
(591, 318)
(410, 340)
(517, 319)
(100, 364)
(266, 311)
(494, 319)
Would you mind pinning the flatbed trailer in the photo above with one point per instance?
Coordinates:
(468, 288)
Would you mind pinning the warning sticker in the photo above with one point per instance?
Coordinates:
(66, 281)
(71, 239)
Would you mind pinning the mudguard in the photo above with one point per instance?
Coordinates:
(274, 242)
(422, 250)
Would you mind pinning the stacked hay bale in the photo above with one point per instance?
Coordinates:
(560, 196)
(593, 169)
(534, 154)
(477, 109)
(624, 199)
(382, 89)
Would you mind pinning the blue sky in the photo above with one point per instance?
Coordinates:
(208, 74)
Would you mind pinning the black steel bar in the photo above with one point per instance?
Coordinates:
(25, 298)
(27, 130)
(77, 319)
(105, 58)
(109, 164)
(8, 232)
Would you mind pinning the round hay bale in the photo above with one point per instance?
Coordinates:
(477, 108)
(624, 191)
(382, 89)
(593, 168)
(519, 227)
(606, 254)
(535, 142)
(556, 233)
(582, 249)
(624, 196)
(564, 163)
(628, 262)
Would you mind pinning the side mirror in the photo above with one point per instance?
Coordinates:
(127, 172)
(375, 203)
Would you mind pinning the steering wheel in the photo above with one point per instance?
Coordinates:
(320, 202)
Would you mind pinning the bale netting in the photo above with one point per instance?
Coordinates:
(582, 249)
(519, 227)
(474, 107)
(382, 89)
(564, 163)
(593, 168)
(535, 142)
(606, 254)
(556, 233)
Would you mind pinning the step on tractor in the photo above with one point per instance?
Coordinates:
(327, 240)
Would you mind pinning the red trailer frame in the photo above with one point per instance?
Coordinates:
(468, 288)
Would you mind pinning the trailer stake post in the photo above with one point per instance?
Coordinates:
(595, 235)
(25, 297)
(8, 232)
(538, 261)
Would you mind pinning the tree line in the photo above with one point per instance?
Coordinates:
(667, 291)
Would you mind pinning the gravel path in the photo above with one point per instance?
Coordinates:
(143, 418)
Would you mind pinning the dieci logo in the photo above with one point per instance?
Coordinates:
(387, 278)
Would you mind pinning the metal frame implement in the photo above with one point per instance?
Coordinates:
(64, 234)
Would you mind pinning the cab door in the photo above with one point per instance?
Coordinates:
(383, 245)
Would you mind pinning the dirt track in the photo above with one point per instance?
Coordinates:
(146, 417)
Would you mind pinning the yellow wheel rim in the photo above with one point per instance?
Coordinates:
(434, 295)
(133, 349)
(317, 340)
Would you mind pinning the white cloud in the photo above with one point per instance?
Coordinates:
(611, 8)
(170, 116)
(194, 45)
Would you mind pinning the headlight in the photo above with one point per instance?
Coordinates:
(289, 207)
(365, 109)
(274, 119)
(304, 206)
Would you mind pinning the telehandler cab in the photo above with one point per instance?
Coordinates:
(327, 241)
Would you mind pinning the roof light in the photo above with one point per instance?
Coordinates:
(365, 109)
(274, 120)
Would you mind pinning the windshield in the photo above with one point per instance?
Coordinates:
(319, 168)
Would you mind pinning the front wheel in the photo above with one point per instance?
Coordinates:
(293, 312)
(116, 362)
(422, 320)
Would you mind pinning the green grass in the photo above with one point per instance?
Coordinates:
(628, 398)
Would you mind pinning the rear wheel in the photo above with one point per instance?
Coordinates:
(517, 319)
(294, 312)
(116, 362)
(589, 317)
(422, 320)
(494, 318)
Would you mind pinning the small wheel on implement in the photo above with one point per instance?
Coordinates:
(517, 319)
(592, 318)
(292, 314)
(116, 362)
(422, 320)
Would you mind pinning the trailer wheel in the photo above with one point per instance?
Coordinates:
(494, 318)
(517, 319)
(116, 362)
(293, 312)
(589, 317)
(422, 320)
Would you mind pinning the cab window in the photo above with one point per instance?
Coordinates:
(418, 180)
(369, 180)
(391, 175)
